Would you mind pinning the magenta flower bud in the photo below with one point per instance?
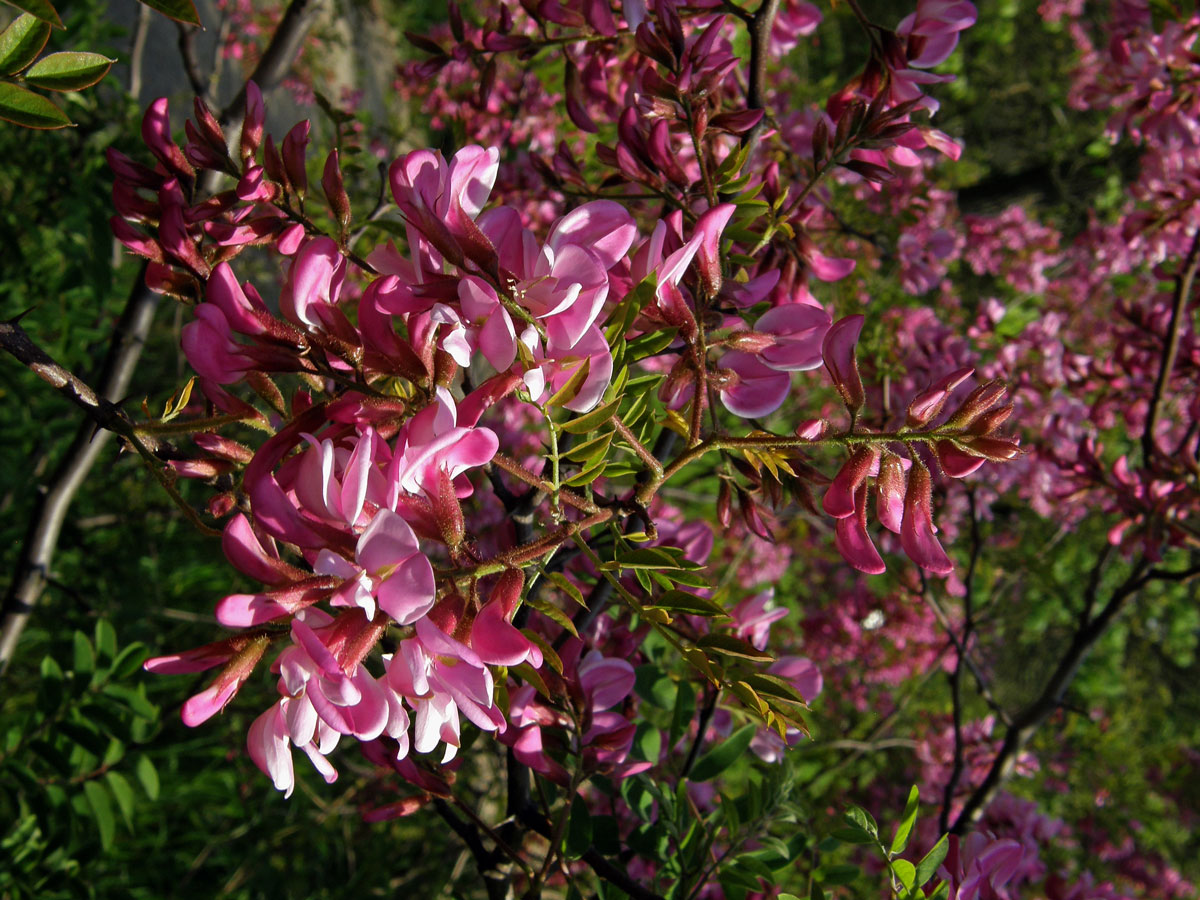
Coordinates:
(133, 173)
(136, 241)
(812, 429)
(926, 406)
(994, 449)
(207, 125)
(252, 121)
(708, 255)
(750, 341)
(292, 151)
(448, 511)
(174, 237)
(839, 498)
(991, 420)
(956, 462)
(156, 132)
(853, 541)
(215, 697)
(574, 99)
(917, 530)
(335, 191)
(838, 350)
(273, 162)
(224, 447)
(738, 122)
(889, 492)
(978, 402)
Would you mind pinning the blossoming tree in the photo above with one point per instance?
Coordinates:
(512, 458)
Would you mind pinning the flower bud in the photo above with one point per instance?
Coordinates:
(889, 492)
(838, 351)
(926, 406)
(977, 403)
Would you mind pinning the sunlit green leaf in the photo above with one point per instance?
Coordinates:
(68, 71)
(21, 42)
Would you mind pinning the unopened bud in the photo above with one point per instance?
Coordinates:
(335, 191)
(995, 449)
(725, 505)
(977, 403)
(448, 511)
(926, 406)
(991, 420)
(838, 351)
(750, 341)
(292, 151)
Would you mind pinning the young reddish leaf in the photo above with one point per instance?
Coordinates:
(179, 10)
(23, 107)
(21, 42)
(41, 9)
(69, 71)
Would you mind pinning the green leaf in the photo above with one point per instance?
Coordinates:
(681, 715)
(135, 700)
(852, 834)
(648, 741)
(570, 390)
(179, 10)
(592, 420)
(588, 475)
(563, 584)
(690, 604)
(102, 812)
(530, 676)
(546, 608)
(644, 558)
(907, 821)
(721, 757)
(42, 9)
(838, 874)
(22, 107)
(905, 872)
(856, 815)
(147, 777)
(650, 344)
(928, 865)
(585, 452)
(728, 645)
(774, 686)
(68, 71)
(124, 793)
(129, 660)
(86, 737)
(106, 640)
(21, 42)
(85, 658)
(579, 829)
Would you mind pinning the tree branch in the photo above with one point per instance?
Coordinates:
(33, 562)
(1183, 291)
(1029, 719)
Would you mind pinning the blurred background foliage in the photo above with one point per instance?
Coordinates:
(103, 791)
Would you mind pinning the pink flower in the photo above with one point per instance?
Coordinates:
(389, 567)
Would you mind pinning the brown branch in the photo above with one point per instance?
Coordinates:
(1183, 291)
(281, 52)
(604, 869)
(45, 525)
(760, 36)
(1029, 719)
(191, 65)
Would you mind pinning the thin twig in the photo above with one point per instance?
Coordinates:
(1183, 292)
